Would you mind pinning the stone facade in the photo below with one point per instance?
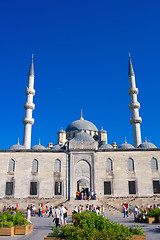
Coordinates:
(86, 167)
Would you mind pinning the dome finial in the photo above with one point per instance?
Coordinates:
(81, 115)
(18, 141)
(125, 140)
(39, 141)
(145, 139)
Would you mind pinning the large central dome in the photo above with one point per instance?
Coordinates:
(81, 124)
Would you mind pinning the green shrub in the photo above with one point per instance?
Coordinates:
(90, 226)
(8, 219)
(154, 213)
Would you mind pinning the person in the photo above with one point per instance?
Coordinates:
(136, 210)
(75, 210)
(125, 210)
(65, 216)
(62, 212)
(77, 194)
(34, 210)
(40, 211)
(29, 215)
(50, 212)
(57, 216)
(46, 209)
(130, 209)
(102, 210)
(144, 215)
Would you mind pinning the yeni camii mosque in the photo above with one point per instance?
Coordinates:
(81, 159)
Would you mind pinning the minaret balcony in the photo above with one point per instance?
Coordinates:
(132, 91)
(30, 91)
(135, 120)
(134, 105)
(29, 106)
(28, 121)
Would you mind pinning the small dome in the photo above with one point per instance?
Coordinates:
(38, 147)
(104, 145)
(147, 145)
(81, 125)
(83, 137)
(17, 146)
(125, 146)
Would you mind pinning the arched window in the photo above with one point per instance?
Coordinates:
(35, 166)
(109, 165)
(11, 166)
(154, 164)
(130, 164)
(57, 167)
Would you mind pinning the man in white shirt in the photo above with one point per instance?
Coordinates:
(62, 211)
(57, 216)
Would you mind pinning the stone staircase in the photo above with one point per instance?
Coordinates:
(71, 205)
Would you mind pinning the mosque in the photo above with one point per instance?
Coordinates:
(82, 159)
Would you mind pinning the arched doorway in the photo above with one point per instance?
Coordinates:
(82, 177)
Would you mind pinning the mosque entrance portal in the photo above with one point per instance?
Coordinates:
(83, 187)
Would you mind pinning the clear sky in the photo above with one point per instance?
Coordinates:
(81, 61)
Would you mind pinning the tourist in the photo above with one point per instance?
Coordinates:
(136, 212)
(130, 209)
(124, 210)
(65, 216)
(102, 210)
(34, 210)
(40, 211)
(46, 209)
(77, 195)
(50, 211)
(29, 215)
(57, 216)
(62, 212)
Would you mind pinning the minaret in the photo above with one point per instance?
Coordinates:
(29, 107)
(134, 106)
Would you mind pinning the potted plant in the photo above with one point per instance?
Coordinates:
(21, 225)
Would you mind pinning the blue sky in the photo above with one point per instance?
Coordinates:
(81, 61)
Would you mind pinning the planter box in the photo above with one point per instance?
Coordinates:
(23, 230)
(139, 237)
(7, 231)
(51, 238)
(157, 219)
(151, 220)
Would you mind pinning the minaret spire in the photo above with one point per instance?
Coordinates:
(134, 106)
(29, 106)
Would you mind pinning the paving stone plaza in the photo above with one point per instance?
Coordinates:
(41, 227)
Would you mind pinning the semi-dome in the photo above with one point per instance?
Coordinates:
(82, 137)
(38, 147)
(126, 146)
(147, 145)
(104, 145)
(81, 124)
(17, 146)
(58, 147)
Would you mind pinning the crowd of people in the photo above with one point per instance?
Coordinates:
(85, 195)
(139, 214)
(97, 209)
